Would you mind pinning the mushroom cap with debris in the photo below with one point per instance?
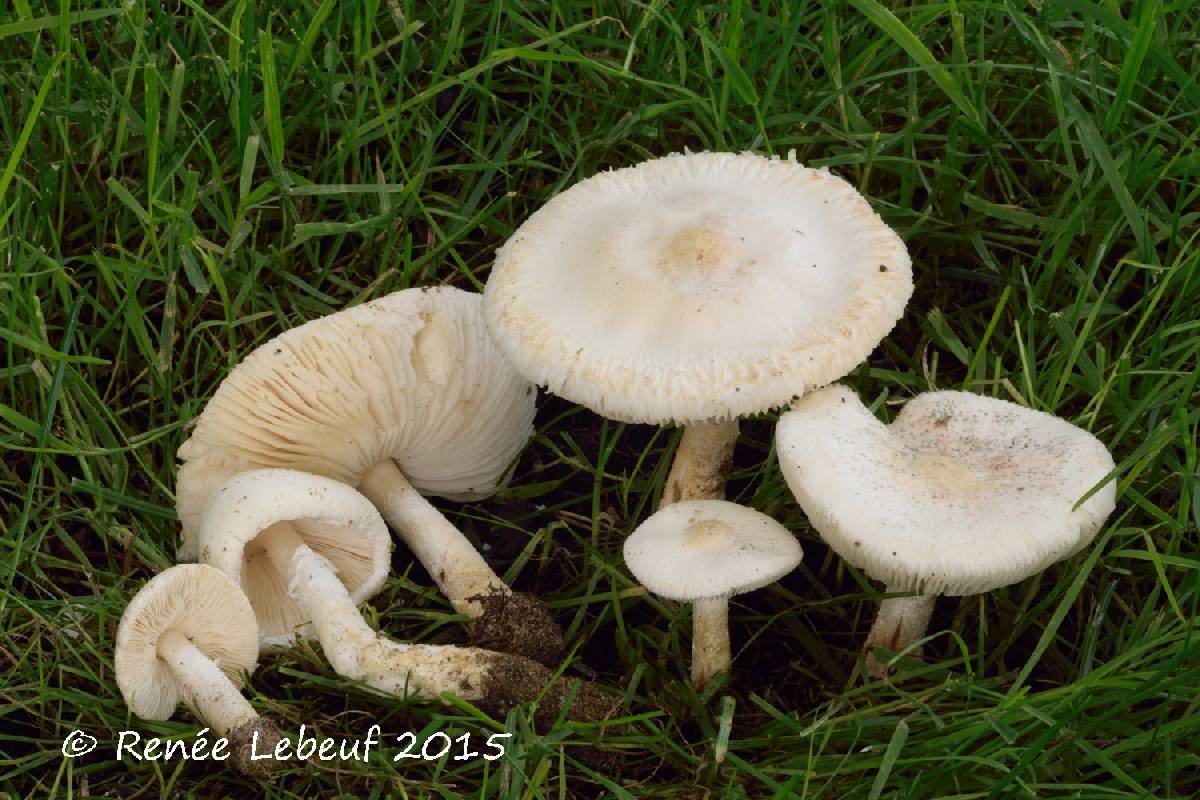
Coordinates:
(334, 520)
(699, 286)
(412, 376)
(198, 602)
(696, 549)
(960, 494)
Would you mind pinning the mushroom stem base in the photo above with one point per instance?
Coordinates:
(503, 620)
(211, 694)
(496, 681)
(710, 639)
(701, 462)
(452, 561)
(901, 621)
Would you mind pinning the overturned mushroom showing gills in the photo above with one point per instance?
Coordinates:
(960, 494)
(704, 552)
(188, 635)
(696, 289)
(401, 397)
(308, 549)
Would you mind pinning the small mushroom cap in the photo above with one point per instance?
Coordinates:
(198, 602)
(412, 376)
(960, 494)
(697, 287)
(695, 549)
(334, 520)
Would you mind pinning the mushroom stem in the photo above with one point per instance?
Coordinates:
(701, 462)
(503, 620)
(495, 681)
(455, 565)
(901, 621)
(209, 691)
(710, 639)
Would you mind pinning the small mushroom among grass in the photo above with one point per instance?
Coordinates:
(400, 397)
(307, 550)
(189, 634)
(696, 289)
(960, 494)
(705, 552)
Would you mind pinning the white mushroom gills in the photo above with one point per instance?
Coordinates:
(960, 494)
(705, 552)
(402, 395)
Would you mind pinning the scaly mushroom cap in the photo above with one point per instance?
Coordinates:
(412, 376)
(695, 549)
(960, 494)
(333, 519)
(198, 602)
(696, 287)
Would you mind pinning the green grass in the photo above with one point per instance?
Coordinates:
(180, 181)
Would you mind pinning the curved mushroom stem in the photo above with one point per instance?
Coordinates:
(710, 639)
(504, 620)
(900, 622)
(701, 462)
(495, 681)
(216, 700)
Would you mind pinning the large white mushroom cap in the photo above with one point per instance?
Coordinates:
(960, 494)
(334, 520)
(697, 287)
(412, 376)
(695, 549)
(198, 602)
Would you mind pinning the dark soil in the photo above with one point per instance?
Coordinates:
(242, 745)
(517, 623)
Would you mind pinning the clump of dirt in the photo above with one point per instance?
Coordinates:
(512, 680)
(517, 623)
(242, 745)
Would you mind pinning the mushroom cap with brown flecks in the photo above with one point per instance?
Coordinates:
(960, 494)
(699, 286)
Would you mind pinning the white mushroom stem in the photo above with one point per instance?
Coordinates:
(352, 647)
(710, 639)
(453, 562)
(701, 462)
(901, 621)
(208, 690)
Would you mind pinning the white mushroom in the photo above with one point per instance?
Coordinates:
(696, 289)
(960, 494)
(401, 396)
(307, 550)
(189, 634)
(704, 552)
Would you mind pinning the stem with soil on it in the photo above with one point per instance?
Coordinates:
(491, 680)
(511, 622)
(900, 622)
(710, 639)
(701, 462)
(216, 700)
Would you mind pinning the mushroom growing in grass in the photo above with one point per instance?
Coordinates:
(960, 494)
(401, 396)
(696, 289)
(307, 549)
(704, 552)
(188, 635)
